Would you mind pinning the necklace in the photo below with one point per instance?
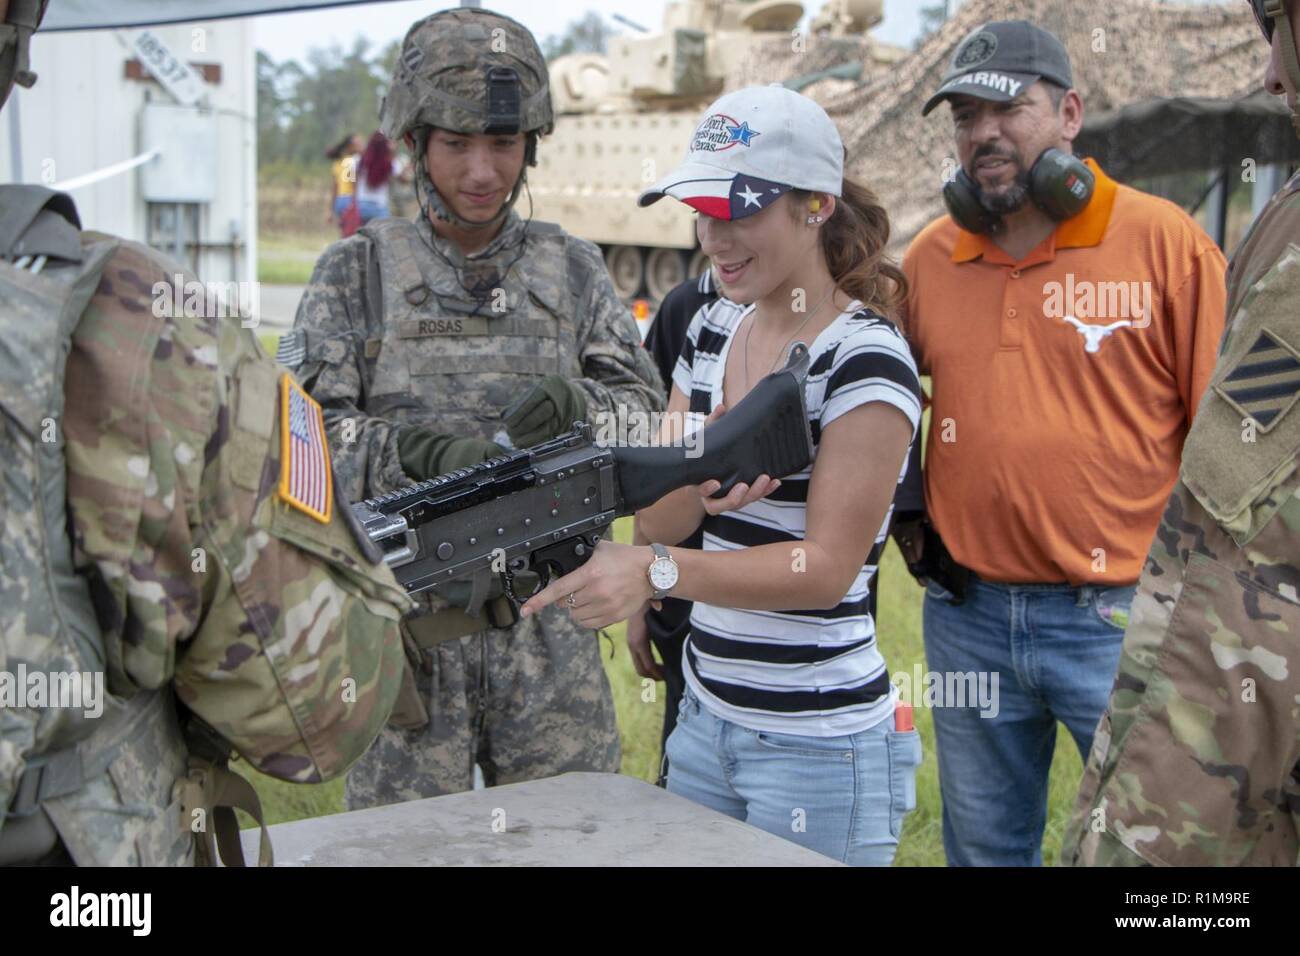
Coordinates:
(750, 331)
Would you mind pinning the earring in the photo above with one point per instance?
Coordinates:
(813, 220)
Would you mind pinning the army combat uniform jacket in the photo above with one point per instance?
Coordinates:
(202, 586)
(393, 338)
(390, 334)
(1196, 760)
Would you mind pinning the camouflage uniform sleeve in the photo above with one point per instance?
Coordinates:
(204, 576)
(142, 401)
(1194, 762)
(619, 375)
(298, 659)
(332, 315)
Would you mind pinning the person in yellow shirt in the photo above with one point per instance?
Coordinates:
(343, 168)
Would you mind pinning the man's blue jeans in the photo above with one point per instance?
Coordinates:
(1054, 650)
(844, 797)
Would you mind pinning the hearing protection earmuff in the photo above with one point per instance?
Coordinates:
(1060, 184)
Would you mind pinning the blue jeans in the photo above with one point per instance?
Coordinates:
(1054, 650)
(372, 210)
(843, 796)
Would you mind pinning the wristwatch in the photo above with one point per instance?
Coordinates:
(662, 573)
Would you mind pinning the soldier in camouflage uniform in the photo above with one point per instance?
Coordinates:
(503, 332)
(1197, 760)
(174, 565)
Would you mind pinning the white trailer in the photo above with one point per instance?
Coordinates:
(153, 132)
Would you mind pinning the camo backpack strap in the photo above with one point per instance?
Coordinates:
(47, 276)
(400, 234)
(296, 344)
(209, 794)
(46, 279)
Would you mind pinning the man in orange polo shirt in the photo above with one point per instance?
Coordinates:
(1069, 325)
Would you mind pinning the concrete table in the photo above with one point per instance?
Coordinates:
(576, 819)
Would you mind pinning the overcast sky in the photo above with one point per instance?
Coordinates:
(290, 35)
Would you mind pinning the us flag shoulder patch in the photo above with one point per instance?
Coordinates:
(305, 477)
(1266, 381)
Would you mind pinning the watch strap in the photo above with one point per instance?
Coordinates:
(660, 552)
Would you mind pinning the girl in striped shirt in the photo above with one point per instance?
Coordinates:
(788, 720)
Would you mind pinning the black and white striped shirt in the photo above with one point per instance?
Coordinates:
(813, 672)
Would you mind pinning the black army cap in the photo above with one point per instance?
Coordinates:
(1000, 60)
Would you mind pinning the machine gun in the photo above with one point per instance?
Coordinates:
(543, 509)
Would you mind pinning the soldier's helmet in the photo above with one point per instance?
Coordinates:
(16, 31)
(1272, 16)
(468, 71)
(1267, 13)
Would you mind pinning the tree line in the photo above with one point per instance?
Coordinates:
(303, 109)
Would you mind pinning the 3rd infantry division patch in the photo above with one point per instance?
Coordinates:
(1265, 383)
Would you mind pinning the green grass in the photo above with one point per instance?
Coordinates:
(640, 711)
(899, 627)
(278, 271)
(288, 260)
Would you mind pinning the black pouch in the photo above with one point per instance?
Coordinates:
(938, 565)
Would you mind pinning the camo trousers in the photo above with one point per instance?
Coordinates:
(528, 702)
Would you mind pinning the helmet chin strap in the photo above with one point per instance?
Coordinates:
(440, 209)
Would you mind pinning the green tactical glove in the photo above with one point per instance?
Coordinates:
(548, 410)
(427, 454)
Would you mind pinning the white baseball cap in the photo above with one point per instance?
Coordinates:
(752, 146)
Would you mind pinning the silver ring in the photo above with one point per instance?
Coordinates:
(571, 600)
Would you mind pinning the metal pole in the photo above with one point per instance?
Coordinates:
(1221, 237)
(15, 139)
(177, 247)
(1268, 180)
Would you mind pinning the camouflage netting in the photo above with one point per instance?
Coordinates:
(1122, 51)
(775, 59)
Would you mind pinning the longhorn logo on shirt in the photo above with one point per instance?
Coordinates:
(1104, 301)
(1093, 334)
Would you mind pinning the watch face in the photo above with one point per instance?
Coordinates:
(663, 574)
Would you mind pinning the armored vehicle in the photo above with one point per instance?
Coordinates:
(625, 118)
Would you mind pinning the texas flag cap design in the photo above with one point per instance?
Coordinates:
(752, 146)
